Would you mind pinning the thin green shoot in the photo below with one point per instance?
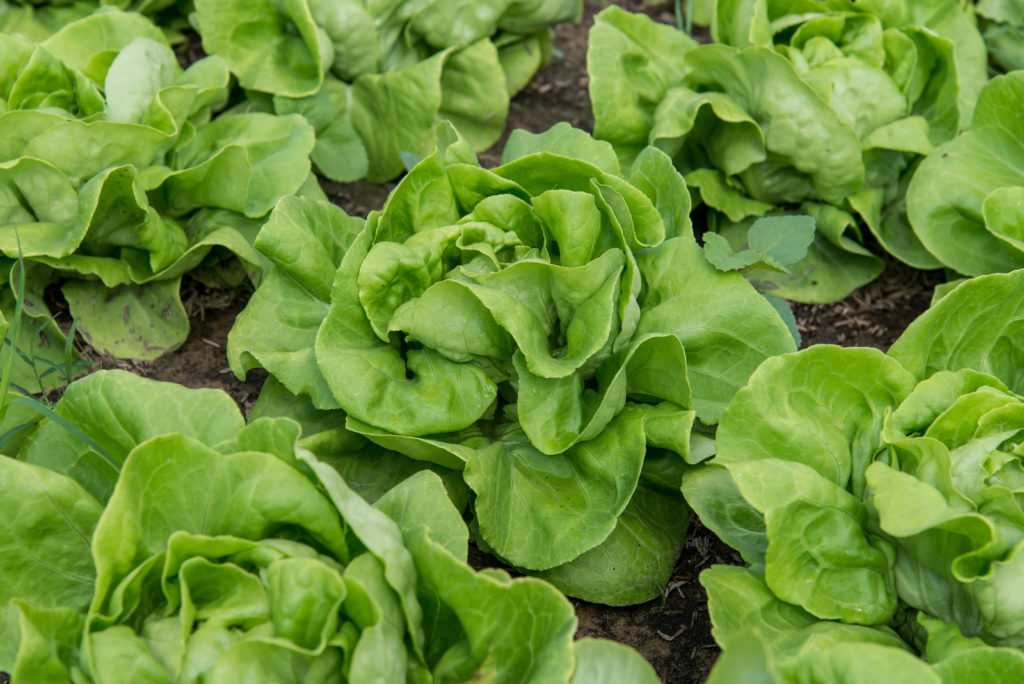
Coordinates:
(9, 390)
(36, 332)
(6, 438)
(69, 352)
(20, 390)
(77, 365)
(67, 367)
(14, 332)
(45, 411)
(52, 366)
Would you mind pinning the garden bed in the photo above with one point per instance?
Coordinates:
(673, 632)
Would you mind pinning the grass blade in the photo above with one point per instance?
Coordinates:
(47, 412)
(14, 333)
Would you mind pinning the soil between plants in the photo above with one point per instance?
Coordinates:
(674, 631)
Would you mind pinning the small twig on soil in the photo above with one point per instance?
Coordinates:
(675, 586)
(666, 637)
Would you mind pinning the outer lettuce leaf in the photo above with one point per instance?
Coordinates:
(624, 103)
(711, 491)
(45, 551)
(516, 607)
(91, 44)
(585, 334)
(648, 535)
(959, 658)
(39, 22)
(977, 329)
(1001, 24)
(598, 660)
(306, 242)
(588, 491)
(118, 411)
(832, 172)
(723, 345)
(767, 640)
(358, 460)
(40, 361)
(833, 425)
(773, 643)
(154, 317)
(42, 637)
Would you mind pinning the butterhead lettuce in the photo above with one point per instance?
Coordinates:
(549, 330)
(1002, 25)
(819, 108)
(225, 551)
(114, 173)
(964, 202)
(876, 499)
(374, 78)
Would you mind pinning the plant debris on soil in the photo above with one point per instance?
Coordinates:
(674, 631)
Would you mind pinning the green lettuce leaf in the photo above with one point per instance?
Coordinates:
(46, 538)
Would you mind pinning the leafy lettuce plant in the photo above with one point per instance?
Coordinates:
(819, 108)
(965, 201)
(374, 78)
(114, 174)
(1002, 25)
(37, 20)
(549, 330)
(767, 640)
(173, 542)
(862, 488)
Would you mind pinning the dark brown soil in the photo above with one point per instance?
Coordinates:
(673, 632)
(873, 316)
